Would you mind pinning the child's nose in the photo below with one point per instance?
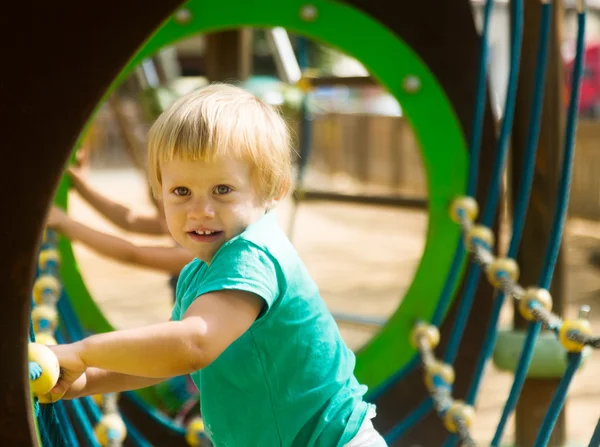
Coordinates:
(201, 209)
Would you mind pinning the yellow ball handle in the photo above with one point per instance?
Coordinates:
(582, 326)
(461, 411)
(110, 428)
(195, 431)
(44, 369)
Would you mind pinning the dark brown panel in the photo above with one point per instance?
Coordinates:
(58, 60)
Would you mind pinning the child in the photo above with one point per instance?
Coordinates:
(248, 324)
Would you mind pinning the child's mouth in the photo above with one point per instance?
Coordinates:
(204, 235)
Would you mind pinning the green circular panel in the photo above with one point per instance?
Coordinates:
(431, 115)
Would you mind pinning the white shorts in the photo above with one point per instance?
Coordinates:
(367, 436)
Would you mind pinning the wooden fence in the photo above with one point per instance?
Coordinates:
(371, 154)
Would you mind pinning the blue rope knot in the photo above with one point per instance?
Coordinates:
(439, 382)
(35, 370)
(112, 434)
(481, 243)
(501, 274)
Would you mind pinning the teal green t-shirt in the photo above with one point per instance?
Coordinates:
(289, 380)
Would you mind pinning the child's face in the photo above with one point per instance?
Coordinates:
(206, 204)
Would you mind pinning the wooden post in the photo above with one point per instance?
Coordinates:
(537, 393)
(228, 55)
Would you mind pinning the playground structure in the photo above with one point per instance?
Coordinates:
(427, 74)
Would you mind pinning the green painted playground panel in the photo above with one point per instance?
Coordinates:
(429, 111)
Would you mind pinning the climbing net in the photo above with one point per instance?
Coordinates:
(534, 303)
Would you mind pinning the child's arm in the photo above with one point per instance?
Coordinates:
(212, 322)
(168, 259)
(118, 214)
(98, 381)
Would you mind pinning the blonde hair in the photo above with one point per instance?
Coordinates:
(222, 120)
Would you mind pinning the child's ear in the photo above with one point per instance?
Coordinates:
(271, 203)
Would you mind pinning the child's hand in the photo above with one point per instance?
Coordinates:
(74, 172)
(56, 218)
(74, 391)
(72, 368)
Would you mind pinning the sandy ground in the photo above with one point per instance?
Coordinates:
(363, 258)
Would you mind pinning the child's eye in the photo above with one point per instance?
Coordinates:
(222, 189)
(181, 191)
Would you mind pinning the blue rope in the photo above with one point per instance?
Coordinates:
(524, 186)
(65, 423)
(134, 434)
(507, 122)
(480, 100)
(526, 180)
(558, 401)
(462, 314)
(595, 441)
(487, 349)
(560, 212)
(556, 232)
(83, 421)
(520, 376)
(154, 414)
(410, 421)
(35, 371)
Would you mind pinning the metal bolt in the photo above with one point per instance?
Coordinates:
(183, 16)
(411, 84)
(308, 13)
(584, 312)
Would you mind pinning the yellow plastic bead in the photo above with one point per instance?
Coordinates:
(458, 410)
(427, 331)
(304, 84)
(582, 326)
(46, 288)
(45, 318)
(502, 267)
(531, 295)
(443, 370)
(45, 358)
(44, 338)
(98, 399)
(110, 428)
(480, 234)
(195, 431)
(49, 258)
(464, 205)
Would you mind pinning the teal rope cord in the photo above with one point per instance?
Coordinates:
(480, 100)
(558, 401)
(520, 376)
(414, 417)
(81, 418)
(35, 371)
(65, 423)
(560, 213)
(557, 229)
(595, 441)
(507, 123)
(154, 414)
